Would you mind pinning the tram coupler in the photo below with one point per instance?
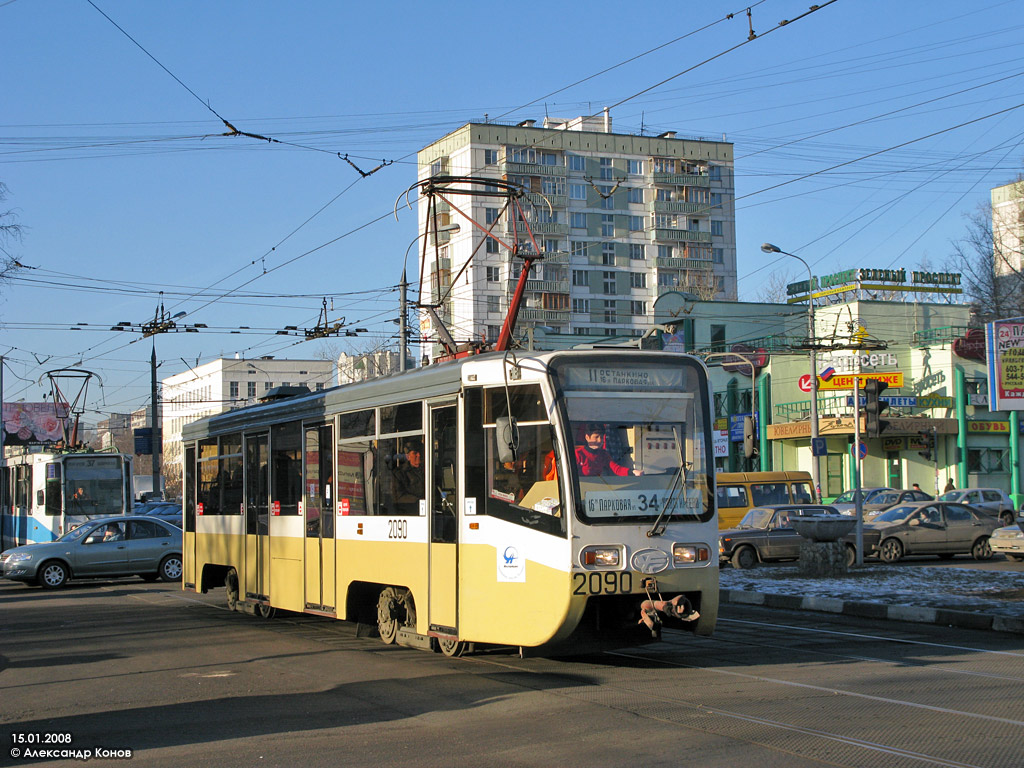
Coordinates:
(678, 608)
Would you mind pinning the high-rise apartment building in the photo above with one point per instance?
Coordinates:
(1008, 229)
(619, 219)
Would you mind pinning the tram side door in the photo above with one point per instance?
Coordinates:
(257, 509)
(442, 497)
(318, 507)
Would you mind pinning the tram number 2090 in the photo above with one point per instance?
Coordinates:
(398, 529)
(602, 583)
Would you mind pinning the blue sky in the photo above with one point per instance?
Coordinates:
(125, 187)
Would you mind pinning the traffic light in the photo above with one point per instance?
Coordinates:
(875, 407)
(928, 439)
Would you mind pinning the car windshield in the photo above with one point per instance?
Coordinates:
(75, 533)
(886, 498)
(951, 496)
(896, 514)
(756, 518)
(845, 498)
(871, 497)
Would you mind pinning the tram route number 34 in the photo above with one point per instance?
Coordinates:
(606, 583)
(398, 529)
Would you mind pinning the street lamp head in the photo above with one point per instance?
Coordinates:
(769, 248)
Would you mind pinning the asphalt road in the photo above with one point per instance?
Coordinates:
(182, 682)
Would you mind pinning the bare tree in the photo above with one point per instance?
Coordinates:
(702, 284)
(989, 260)
(773, 289)
(10, 230)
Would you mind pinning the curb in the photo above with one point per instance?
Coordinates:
(912, 613)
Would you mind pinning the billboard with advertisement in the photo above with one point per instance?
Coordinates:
(1004, 348)
(33, 423)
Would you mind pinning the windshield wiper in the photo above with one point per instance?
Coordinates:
(677, 483)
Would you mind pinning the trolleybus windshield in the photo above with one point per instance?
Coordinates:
(639, 449)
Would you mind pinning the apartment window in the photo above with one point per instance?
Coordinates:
(609, 312)
(491, 246)
(492, 332)
(663, 195)
(580, 278)
(664, 165)
(494, 304)
(664, 251)
(718, 255)
(551, 246)
(581, 306)
(608, 283)
(545, 216)
(577, 191)
(637, 251)
(577, 163)
(638, 308)
(668, 278)
(578, 220)
(578, 248)
(635, 167)
(549, 158)
(715, 198)
(720, 283)
(493, 274)
(581, 330)
(716, 227)
(635, 195)
(608, 254)
(490, 157)
(233, 390)
(607, 225)
(636, 223)
(490, 215)
(607, 200)
(606, 168)
(638, 280)
(553, 186)
(698, 195)
(524, 155)
(251, 389)
(715, 172)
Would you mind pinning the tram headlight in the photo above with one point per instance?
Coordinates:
(688, 554)
(601, 557)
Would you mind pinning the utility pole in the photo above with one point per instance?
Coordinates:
(155, 430)
(402, 320)
(858, 500)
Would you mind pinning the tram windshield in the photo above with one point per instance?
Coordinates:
(638, 444)
(93, 486)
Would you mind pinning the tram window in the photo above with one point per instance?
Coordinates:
(231, 484)
(208, 494)
(526, 491)
(400, 480)
(286, 467)
(357, 424)
(230, 444)
(527, 403)
(355, 467)
(22, 485)
(407, 417)
(53, 483)
(189, 491)
(208, 448)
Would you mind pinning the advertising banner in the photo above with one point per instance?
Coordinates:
(33, 423)
(1004, 348)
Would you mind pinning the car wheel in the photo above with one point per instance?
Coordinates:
(851, 555)
(981, 549)
(1007, 517)
(744, 557)
(52, 575)
(892, 550)
(171, 568)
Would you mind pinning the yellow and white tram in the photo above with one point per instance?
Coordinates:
(546, 501)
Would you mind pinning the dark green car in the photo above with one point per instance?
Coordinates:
(764, 534)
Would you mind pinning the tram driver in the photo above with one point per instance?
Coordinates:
(593, 457)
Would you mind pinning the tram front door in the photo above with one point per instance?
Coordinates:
(318, 507)
(442, 497)
(257, 508)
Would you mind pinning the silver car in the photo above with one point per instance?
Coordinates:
(932, 527)
(845, 502)
(1009, 541)
(991, 500)
(112, 546)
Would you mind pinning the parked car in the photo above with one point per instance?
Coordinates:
(845, 502)
(112, 546)
(1009, 541)
(765, 535)
(931, 527)
(885, 499)
(165, 510)
(992, 500)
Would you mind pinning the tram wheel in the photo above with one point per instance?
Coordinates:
(264, 611)
(231, 586)
(451, 647)
(395, 610)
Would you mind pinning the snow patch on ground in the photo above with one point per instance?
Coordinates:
(962, 589)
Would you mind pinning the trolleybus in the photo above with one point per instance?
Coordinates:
(44, 495)
(546, 501)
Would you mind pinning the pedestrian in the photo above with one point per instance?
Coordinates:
(949, 486)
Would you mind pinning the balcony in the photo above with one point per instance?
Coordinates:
(671, 262)
(532, 169)
(680, 179)
(669, 206)
(542, 228)
(544, 315)
(683, 235)
(542, 286)
(557, 201)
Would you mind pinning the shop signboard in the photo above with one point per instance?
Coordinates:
(1004, 348)
(845, 381)
(893, 443)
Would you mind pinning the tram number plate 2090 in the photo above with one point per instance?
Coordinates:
(602, 583)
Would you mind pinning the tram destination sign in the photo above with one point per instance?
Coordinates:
(629, 378)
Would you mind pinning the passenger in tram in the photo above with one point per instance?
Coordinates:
(594, 459)
(409, 477)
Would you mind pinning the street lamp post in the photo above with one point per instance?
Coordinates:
(811, 343)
